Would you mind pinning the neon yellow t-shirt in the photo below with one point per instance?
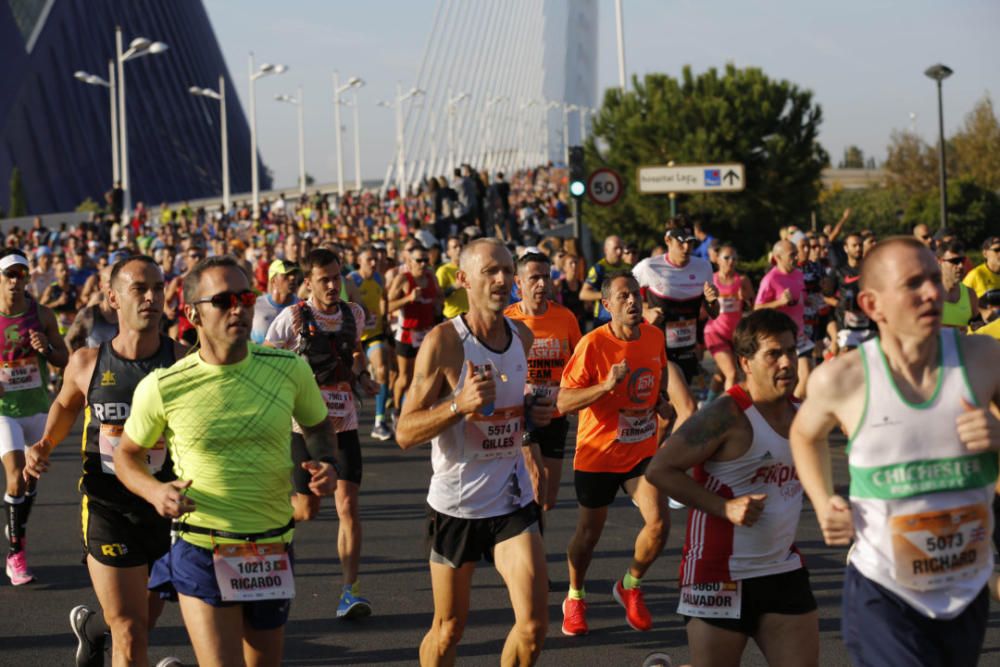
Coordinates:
(981, 280)
(457, 302)
(228, 429)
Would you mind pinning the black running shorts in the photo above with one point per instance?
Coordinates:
(454, 541)
(551, 439)
(786, 593)
(124, 538)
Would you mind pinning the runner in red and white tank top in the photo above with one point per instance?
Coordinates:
(416, 298)
(735, 291)
(741, 575)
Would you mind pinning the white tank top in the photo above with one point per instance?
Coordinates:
(921, 502)
(716, 550)
(479, 469)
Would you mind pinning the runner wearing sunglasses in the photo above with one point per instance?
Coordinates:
(415, 295)
(30, 342)
(960, 303)
(123, 535)
(227, 409)
(326, 331)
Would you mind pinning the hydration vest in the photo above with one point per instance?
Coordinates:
(330, 355)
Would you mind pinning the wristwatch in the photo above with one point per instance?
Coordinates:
(453, 407)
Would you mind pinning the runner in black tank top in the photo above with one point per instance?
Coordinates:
(122, 534)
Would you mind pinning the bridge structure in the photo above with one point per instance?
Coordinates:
(503, 85)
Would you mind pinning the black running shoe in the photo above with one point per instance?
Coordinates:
(88, 653)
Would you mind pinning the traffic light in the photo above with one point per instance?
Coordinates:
(577, 173)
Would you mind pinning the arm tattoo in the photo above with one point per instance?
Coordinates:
(707, 425)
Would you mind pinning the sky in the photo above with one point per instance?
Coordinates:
(862, 59)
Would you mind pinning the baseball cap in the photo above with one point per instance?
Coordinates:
(13, 260)
(281, 267)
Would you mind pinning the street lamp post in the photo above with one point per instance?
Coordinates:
(297, 102)
(353, 82)
(451, 108)
(95, 80)
(400, 157)
(219, 96)
(357, 142)
(137, 48)
(939, 73)
(264, 70)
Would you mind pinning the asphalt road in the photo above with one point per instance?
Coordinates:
(34, 629)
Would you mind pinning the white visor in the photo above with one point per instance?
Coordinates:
(13, 260)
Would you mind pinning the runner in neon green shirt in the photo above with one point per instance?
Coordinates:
(226, 411)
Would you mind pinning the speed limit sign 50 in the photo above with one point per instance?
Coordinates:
(604, 187)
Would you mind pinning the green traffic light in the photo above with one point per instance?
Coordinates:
(577, 188)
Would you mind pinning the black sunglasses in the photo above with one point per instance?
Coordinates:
(229, 300)
(422, 260)
(957, 261)
(12, 274)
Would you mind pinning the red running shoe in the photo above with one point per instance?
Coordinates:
(574, 617)
(635, 608)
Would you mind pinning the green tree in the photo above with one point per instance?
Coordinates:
(854, 158)
(88, 205)
(18, 201)
(973, 211)
(977, 146)
(879, 209)
(740, 115)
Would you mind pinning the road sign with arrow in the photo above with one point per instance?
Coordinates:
(660, 179)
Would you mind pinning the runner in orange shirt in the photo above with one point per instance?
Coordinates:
(617, 379)
(556, 332)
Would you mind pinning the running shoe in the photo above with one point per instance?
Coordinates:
(674, 505)
(88, 653)
(17, 568)
(353, 606)
(170, 661)
(381, 431)
(574, 617)
(635, 608)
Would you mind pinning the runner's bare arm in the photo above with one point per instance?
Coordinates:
(425, 414)
(829, 387)
(55, 350)
(166, 497)
(63, 412)
(76, 335)
(588, 293)
(979, 426)
(398, 297)
(573, 400)
(692, 444)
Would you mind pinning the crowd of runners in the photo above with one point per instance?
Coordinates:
(218, 363)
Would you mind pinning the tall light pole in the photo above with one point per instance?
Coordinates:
(620, 24)
(264, 70)
(95, 80)
(357, 142)
(353, 82)
(939, 73)
(137, 48)
(450, 109)
(220, 96)
(297, 102)
(548, 134)
(401, 183)
(584, 112)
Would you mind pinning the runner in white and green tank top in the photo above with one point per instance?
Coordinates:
(916, 402)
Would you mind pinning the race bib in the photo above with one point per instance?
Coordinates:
(681, 333)
(495, 437)
(635, 425)
(339, 399)
(21, 374)
(248, 571)
(719, 599)
(417, 337)
(107, 440)
(729, 304)
(854, 320)
(933, 549)
(370, 320)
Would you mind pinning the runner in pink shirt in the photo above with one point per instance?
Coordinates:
(735, 291)
(784, 288)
